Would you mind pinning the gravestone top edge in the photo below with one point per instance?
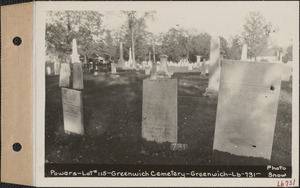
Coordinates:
(64, 88)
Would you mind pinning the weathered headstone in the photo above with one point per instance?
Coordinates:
(198, 58)
(77, 68)
(48, 70)
(163, 67)
(56, 67)
(121, 62)
(244, 53)
(190, 67)
(214, 68)
(64, 76)
(72, 111)
(160, 110)
(147, 70)
(113, 68)
(77, 76)
(246, 112)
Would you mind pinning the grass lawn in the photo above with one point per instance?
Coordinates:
(113, 115)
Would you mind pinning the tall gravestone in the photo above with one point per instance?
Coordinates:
(56, 67)
(130, 61)
(72, 111)
(48, 70)
(244, 53)
(214, 68)
(64, 76)
(159, 121)
(121, 62)
(246, 112)
(77, 68)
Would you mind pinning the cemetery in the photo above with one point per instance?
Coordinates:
(159, 111)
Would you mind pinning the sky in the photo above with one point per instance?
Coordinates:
(217, 18)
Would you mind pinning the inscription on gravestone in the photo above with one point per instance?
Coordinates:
(246, 112)
(72, 111)
(160, 110)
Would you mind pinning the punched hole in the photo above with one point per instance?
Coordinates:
(254, 146)
(17, 41)
(17, 147)
(272, 88)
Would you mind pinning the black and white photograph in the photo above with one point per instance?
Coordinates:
(173, 89)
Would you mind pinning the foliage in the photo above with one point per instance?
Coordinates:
(256, 33)
(235, 49)
(63, 26)
(136, 35)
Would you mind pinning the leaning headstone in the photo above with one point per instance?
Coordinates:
(160, 110)
(64, 76)
(72, 111)
(246, 112)
(214, 68)
(77, 68)
(244, 53)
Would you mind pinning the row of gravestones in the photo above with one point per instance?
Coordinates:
(248, 95)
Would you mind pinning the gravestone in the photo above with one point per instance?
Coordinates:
(77, 76)
(121, 61)
(147, 71)
(214, 68)
(77, 68)
(244, 53)
(246, 112)
(64, 76)
(198, 58)
(113, 68)
(48, 70)
(190, 67)
(162, 69)
(72, 111)
(159, 122)
(56, 67)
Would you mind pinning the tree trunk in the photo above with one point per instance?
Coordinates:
(154, 52)
(132, 43)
